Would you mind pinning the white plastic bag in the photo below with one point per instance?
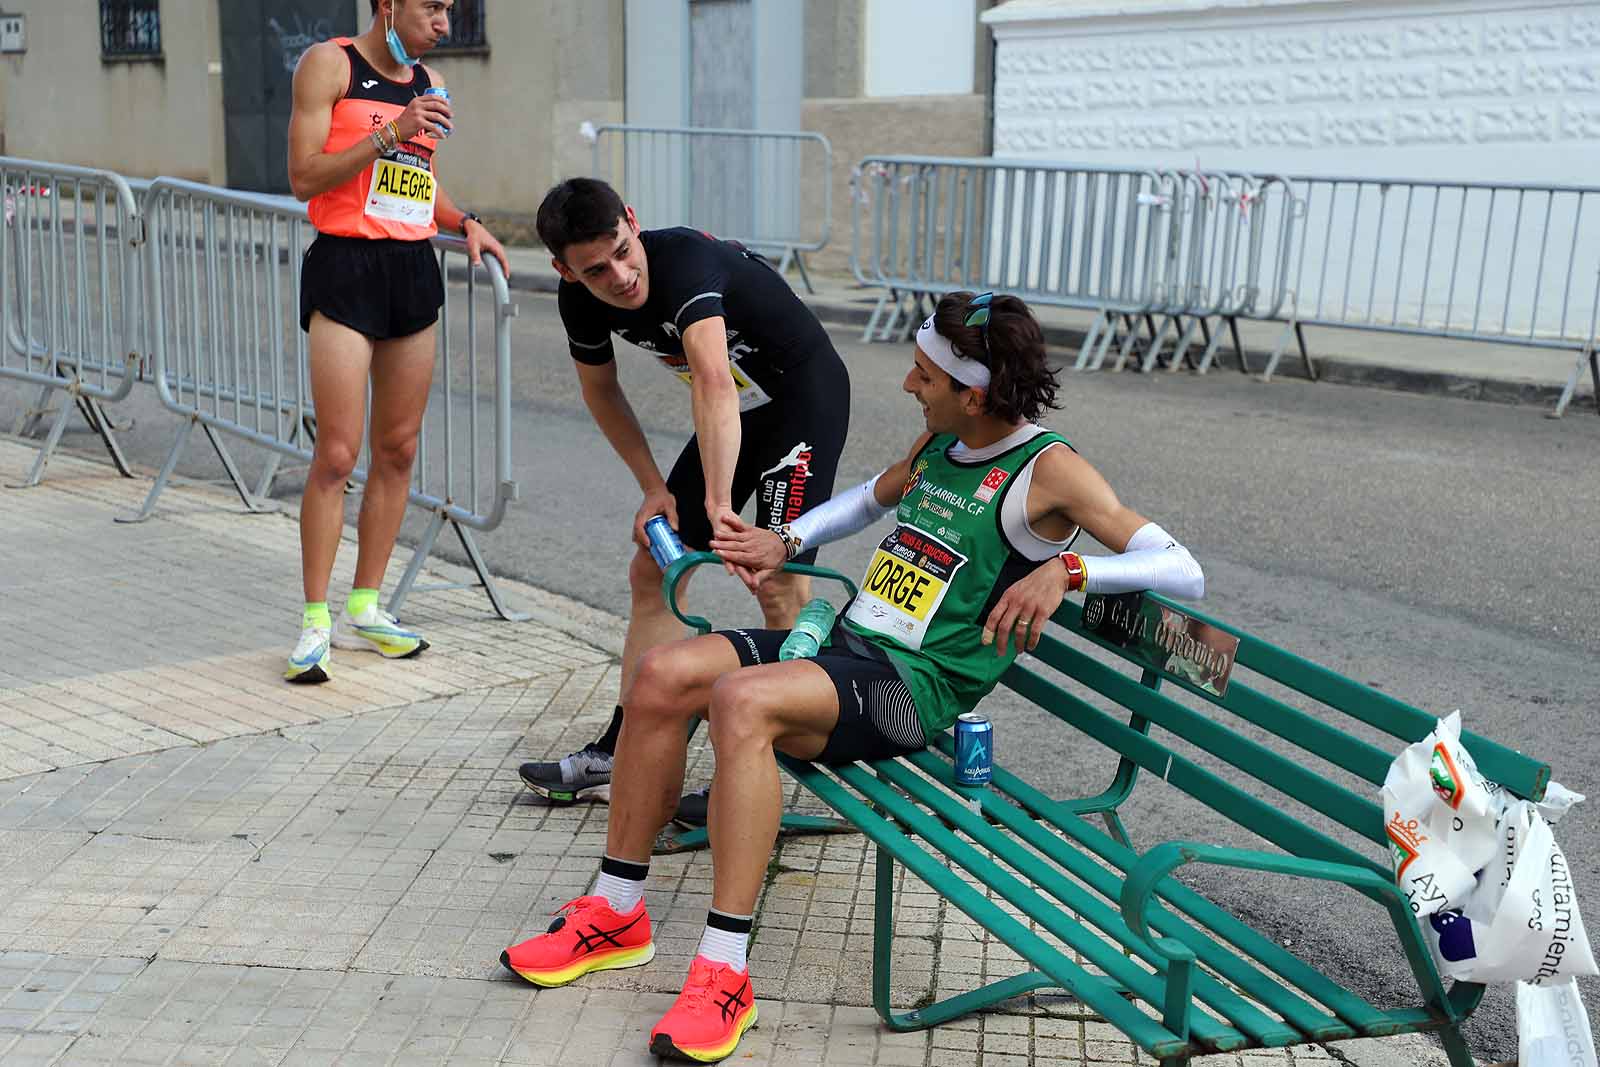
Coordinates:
(1522, 921)
(1552, 1027)
(1439, 815)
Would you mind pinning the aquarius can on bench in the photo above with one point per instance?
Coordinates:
(665, 548)
(974, 749)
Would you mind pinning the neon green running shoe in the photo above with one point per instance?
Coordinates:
(375, 630)
(310, 660)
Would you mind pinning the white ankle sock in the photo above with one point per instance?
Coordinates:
(722, 945)
(618, 885)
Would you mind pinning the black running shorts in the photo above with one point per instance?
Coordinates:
(382, 289)
(877, 716)
(788, 453)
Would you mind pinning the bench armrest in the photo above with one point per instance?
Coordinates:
(1162, 860)
(674, 575)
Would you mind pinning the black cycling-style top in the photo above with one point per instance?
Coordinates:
(694, 276)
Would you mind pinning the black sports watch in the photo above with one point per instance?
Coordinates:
(470, 216)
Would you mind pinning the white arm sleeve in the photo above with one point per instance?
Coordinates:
(1154, 560)
(840, 516)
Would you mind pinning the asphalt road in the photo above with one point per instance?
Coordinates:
(1442, 550)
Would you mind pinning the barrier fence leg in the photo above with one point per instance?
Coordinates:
(805, 275)
(28, 424)
(419, 556)
(1153, 353)
(167, 467)
(1180, 355)
(469, 545)
(46, 448)
(252, 503)
(1212, 341)
(1591, 356)
(868, 334)
(1089, 340)
(1292, 327)
(1238, 346)
(94, 413)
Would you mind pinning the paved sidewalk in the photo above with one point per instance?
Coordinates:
(202, 865)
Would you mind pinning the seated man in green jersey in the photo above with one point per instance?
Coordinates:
(987, 506)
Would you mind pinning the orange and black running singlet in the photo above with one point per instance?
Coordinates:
(394, 197)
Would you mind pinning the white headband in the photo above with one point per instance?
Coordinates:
(939, 349)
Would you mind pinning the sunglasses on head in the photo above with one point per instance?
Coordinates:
(978, 314)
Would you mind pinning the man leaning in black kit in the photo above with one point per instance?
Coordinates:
(770, 398)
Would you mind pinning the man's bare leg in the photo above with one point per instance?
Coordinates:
(402, 373)
(339, 361)
(791, 707)
(672, 686)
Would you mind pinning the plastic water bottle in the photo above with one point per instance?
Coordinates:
(810, 628)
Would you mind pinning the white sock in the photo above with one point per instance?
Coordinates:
(726, 939)
(621, 883)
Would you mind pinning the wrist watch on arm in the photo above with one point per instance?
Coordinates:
(1076, 574)
(470, 216)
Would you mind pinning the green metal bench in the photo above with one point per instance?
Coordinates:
(1214, 983)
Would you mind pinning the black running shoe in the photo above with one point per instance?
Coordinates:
(585, 774)
(692, 809)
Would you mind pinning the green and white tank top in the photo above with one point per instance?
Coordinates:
(960, 541)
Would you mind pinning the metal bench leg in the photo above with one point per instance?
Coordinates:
(1455, 1046)
(940, 1011)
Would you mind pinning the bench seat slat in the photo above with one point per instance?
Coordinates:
(1092, 990)
(1248, 811)
(1367, 1019)
(1354, 812)
(1233, 963)
(1207, 1030)
(1240, 1012)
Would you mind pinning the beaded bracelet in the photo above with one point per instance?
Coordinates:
(378, 143)
(793, 545)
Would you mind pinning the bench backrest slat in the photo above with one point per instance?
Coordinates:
(1294, 779)
(1269, 822)
(1521, 774)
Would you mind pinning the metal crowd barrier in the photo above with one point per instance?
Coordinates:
(762, 188)
(1133, 245)
(69, 293)
(1480, 261)
(223, 284)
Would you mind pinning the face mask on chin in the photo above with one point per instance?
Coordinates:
(398, 49)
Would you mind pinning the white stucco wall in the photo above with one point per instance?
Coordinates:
(1464, 91)
(1470, 89)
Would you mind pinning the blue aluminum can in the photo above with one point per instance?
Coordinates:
(665, 548)
(974, 749)
(444, 94)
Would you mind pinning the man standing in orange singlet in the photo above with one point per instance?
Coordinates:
(362, 138)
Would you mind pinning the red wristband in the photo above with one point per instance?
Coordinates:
(1076, 575)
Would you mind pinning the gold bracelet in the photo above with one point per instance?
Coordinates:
(394, 128)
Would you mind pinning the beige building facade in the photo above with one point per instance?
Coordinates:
(873, 76)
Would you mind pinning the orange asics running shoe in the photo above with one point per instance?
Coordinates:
(587, 935)
(709, 1017)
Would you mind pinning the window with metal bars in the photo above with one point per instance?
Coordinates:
(467, 30)
(130, 28)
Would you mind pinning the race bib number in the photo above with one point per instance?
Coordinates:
(401, 192)
(751, 395)
(907, 579)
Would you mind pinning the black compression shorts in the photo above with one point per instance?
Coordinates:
(788, 453)
(877, 716)
(382, 289)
